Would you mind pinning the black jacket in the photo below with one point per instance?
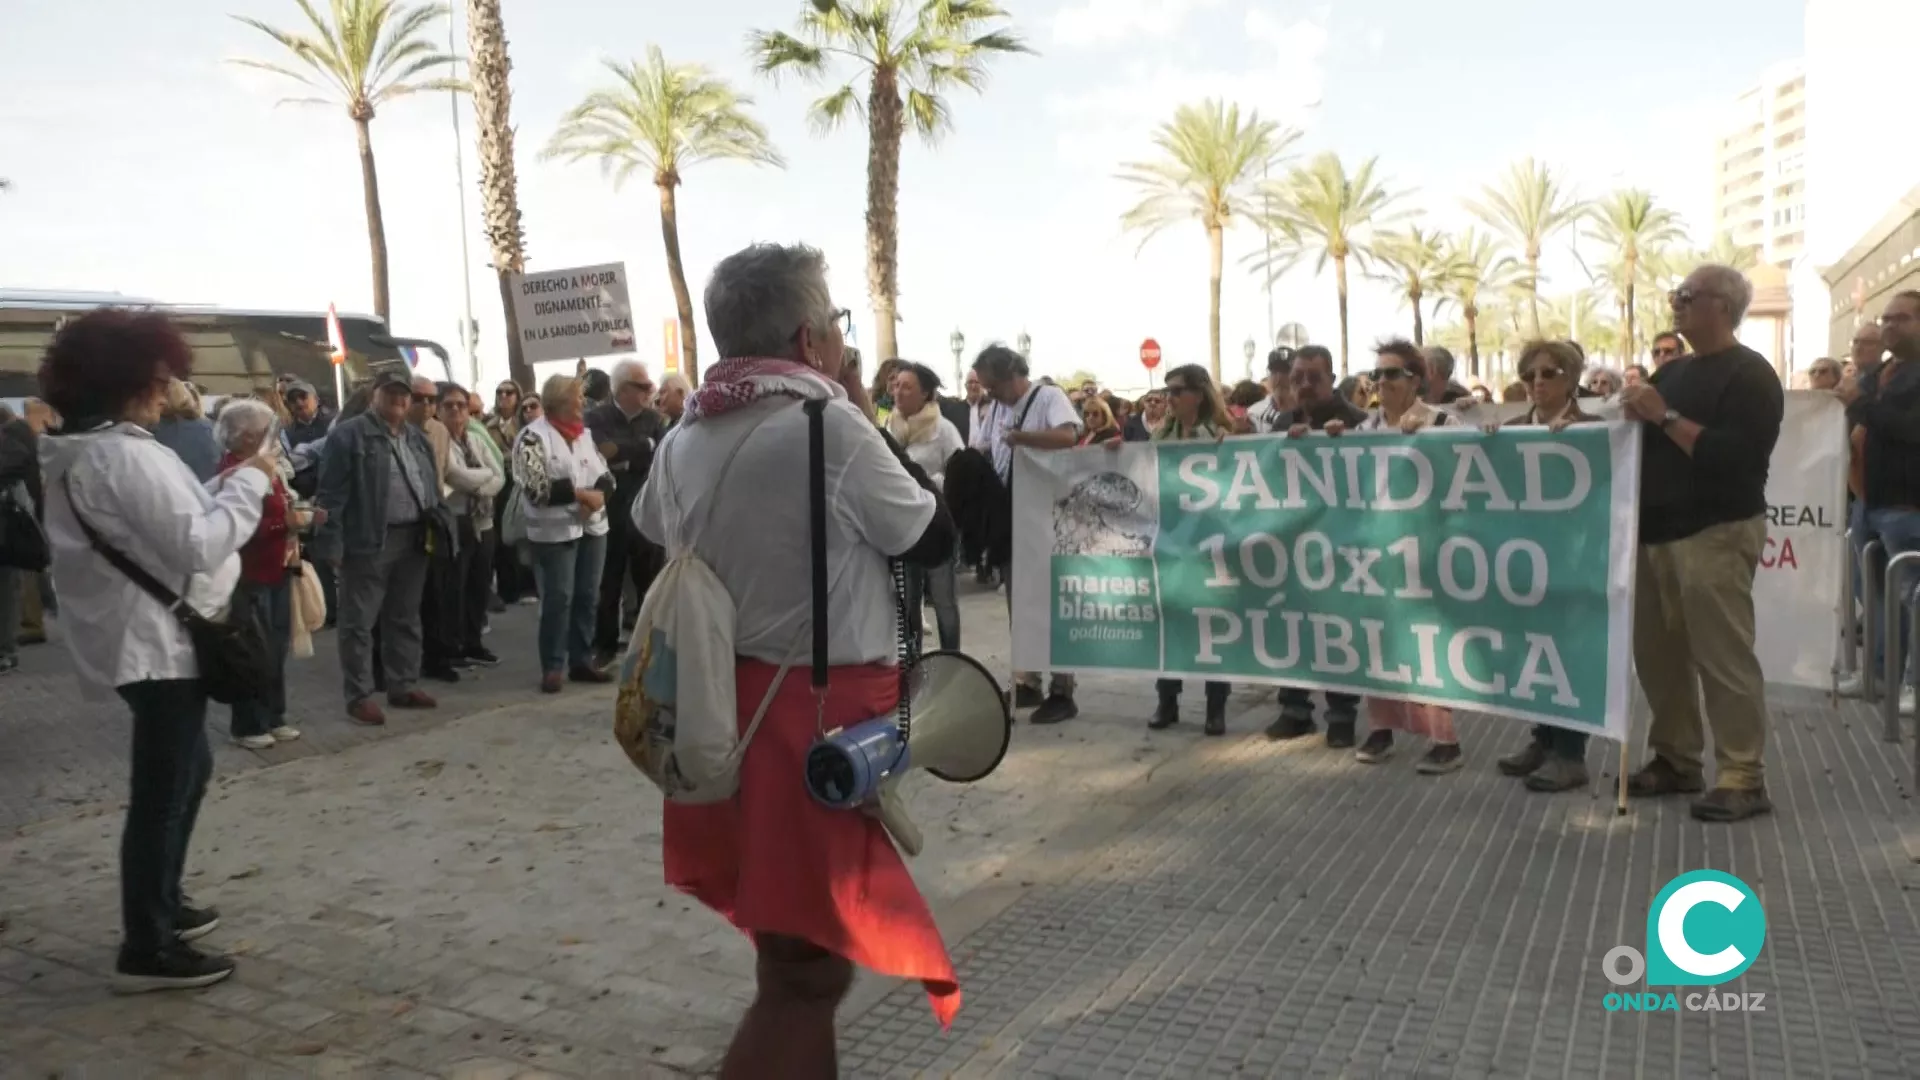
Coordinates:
(634, 442)
(20, 460)
(1889, 409)
(959, 414)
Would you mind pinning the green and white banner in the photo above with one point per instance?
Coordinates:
(1488, 572)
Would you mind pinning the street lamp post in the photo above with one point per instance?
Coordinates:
(1248, 351)
(1026, 346)
(958, 342)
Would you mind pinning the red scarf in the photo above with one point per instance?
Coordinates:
(569, 430)
(731, 384)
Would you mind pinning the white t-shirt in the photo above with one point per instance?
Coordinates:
(1050, 410)
(752, 526)
(1267, 418)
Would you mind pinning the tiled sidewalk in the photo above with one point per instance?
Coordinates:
(1284, 911)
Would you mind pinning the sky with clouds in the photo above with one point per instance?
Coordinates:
(144, 164)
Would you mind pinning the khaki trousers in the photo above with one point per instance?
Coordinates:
(1693, 638)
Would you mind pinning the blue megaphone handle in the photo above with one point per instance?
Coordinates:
(845, 769)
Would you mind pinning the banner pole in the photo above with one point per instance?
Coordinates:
(1620, 809)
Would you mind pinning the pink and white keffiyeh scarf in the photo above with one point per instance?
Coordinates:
(732, 384)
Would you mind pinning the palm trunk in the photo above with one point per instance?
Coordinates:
(1419, 328)
(1632, 346)
(1216, 237)
(884, 125)
(1533, 290)
(489, 69)
(1473, 340)
(1340, 279)
(376, 224)
(677, 274)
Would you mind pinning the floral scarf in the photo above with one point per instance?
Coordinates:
(733, 384)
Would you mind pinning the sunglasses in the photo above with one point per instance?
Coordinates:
(1541, 374)
(1389, 374)
(1685, 295)
(643, 387)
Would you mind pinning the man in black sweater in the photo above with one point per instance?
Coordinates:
(1317, 407)
(627, 430)
(1883, 404)
(1711, 419)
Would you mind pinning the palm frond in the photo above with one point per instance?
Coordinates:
(832, 110)
(661, 117)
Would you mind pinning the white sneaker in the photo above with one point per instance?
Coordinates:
(254, 742)
(1906, 701)
(1853, 685)
(283, 733)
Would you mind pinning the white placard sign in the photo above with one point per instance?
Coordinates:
(567, 314)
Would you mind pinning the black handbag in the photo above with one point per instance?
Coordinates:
(23, 544)
(235, 663)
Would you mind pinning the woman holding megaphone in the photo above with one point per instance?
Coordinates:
(818, 889)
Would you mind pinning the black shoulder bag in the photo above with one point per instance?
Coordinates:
(235, 663)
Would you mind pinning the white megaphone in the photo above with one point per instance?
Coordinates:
(959, 727)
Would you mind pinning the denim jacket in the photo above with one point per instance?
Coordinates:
(354, 470)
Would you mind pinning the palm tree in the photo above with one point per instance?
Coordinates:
(1478, 267)
(663, 118)
(499, 190)
(1530, 206)
(1629, 224)
(1210, 165)
(1319, 210)
(939, 46)
(1725, 252)
(1415, 262)
(363, 54)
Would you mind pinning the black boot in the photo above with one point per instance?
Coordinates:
(1167, 712)
(1292, 725)
(1340, 731)
(1216, 711)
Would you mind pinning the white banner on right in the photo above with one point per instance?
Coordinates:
(1801, 587)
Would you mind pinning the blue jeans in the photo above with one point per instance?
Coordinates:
(273, 606)
(568, 574)
(1898, 532)
(937, 582)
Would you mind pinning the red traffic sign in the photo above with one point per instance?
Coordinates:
(1150, 354)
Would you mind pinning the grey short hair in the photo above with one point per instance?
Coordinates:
(239, 418)
(625, 368)
(1731, 284)
(676, 381)
(760, 296)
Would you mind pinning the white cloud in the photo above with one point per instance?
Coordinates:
(1103, 22)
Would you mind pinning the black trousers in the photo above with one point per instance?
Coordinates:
(474, 585)
(171, 764)
(1298, 701)
(630, 556)
(440, 642)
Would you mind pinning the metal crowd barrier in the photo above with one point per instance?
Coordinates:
(1896, 603)
(1872, 595)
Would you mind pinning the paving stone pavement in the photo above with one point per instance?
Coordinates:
(478, 898)
(1283, 911)
(59, 753)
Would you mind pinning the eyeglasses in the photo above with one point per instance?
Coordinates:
(843, 318)
(643, 387)
(1390, 374)
(423, 399)
(1541, 374)
(1685, 295)
(1665, 350)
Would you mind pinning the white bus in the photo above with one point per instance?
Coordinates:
(235, 351)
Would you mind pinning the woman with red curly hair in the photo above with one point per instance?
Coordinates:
(110, 484)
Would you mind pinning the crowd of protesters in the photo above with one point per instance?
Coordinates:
(418, 510)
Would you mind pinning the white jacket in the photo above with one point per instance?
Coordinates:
(549, 471)
(145, 503)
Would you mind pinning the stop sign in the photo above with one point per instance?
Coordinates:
(1150, 354)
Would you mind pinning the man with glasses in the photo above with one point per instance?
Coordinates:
(1883, 413)
(377, 484)
(1667, 347)
(1275, 411)
(1317, 407)
(627, 431)
(1711, 419)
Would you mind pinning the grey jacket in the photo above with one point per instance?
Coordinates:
(354, 470)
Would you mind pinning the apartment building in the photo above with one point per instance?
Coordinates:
(1760, 189)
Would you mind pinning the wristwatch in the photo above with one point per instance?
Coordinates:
(1667, 421)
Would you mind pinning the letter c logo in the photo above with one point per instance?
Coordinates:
(1673, 928)
(1704, 928)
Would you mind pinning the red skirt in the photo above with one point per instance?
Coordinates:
(774, 861)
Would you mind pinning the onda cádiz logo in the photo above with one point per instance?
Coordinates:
(1705, 928)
